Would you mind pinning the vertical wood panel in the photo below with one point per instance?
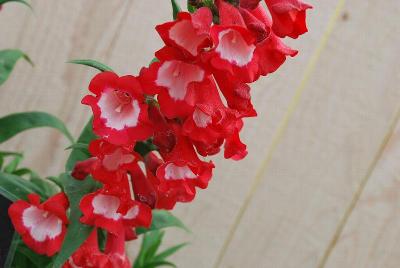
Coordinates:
(329, 146)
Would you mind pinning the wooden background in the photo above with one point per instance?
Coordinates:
(321, 184)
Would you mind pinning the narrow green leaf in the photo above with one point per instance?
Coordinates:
(11, 251)
(175, 9)
(154, 240)
(170, 251)
(77, 232)
(162, 219)
(57, 181)
(14, 188)
(18, 1)
(8, 59)
(13, 165)
(92, 63)
(35, 259)
(16, 123)
(77, 154)
(158, 264)
(78, 145)
(150, 244)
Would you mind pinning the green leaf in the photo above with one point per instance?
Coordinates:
(159, 263)
(34, 259)
(14, 188)
(170, 251)
(13, 165)
(93, 63)
(8, 59)
(78, 145)
(77, 154)
(175, 9)
(150, 244)
(162, 219)
(13, 124)
(18, 1)
(11, 251)
(77, 232)
(153, 242)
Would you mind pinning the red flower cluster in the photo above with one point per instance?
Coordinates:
(188, 104)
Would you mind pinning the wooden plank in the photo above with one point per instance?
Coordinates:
(370, 237)
(330, 143)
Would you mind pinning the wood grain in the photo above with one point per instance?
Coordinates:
(328, 148)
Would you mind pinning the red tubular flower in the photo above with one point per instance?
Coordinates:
(174, 79)
(211, 122)
(41, 226)
(271, 51)
(182, 171)
(89, 255)
(113, 213)
(237, 94)
(234, 45)
(119, 108)
(189, 32)
(289, 17)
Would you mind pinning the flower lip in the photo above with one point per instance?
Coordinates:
(234, 48)
(119, 109)
(176, 77)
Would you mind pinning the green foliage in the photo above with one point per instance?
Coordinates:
(77, 232)
(78, 154)
(162, 219)
(18, 1)
(14, 124)
(148, 257)
(93, 63)
(25, 257)
(175, 9)
(14, 187)
(8, 59)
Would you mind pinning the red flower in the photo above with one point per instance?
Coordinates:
(289, 17)
(182, 171)
(175, 79)
(89, 255)
(189, 32)
(271, 51)
(211, 122)
(234, 45)
(236, 93)
(41, 226)
(109, 163)
(113, 213)
(120, 112)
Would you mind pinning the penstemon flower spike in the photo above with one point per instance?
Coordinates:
(155, 129)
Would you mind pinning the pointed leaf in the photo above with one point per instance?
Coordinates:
(16, 123)
(175, 9)
(162, 219)
(13, 165)
(8, 59)
(158, 264)
(14, 188)
(153, 241)
(170, 251)
(93, 63)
